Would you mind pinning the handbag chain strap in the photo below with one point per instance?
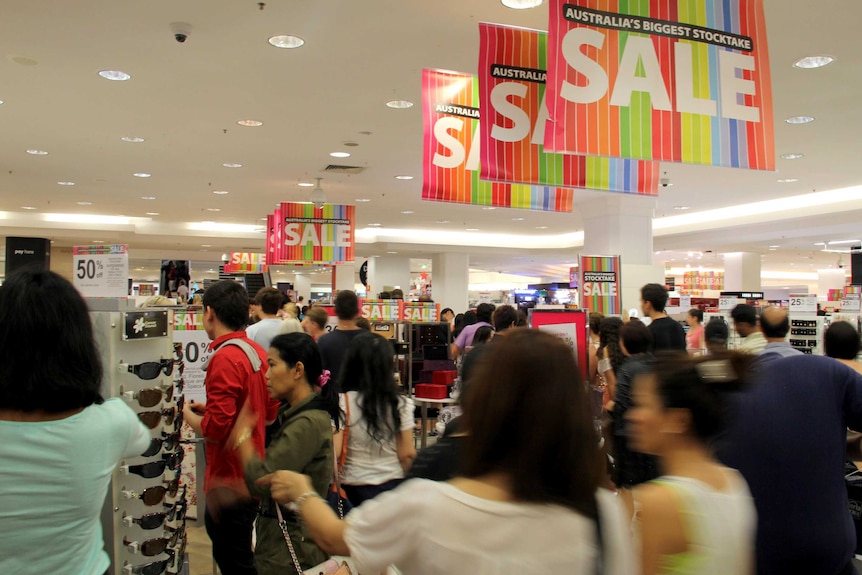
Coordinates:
(283, 524)
(335, 458)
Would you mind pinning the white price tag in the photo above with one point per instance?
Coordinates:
(727, 303)
(852, 304)
(685, 302)
(803, 303)
(101, 271)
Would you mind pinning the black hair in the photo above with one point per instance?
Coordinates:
(297, 346)
(229, 300)
(775, 330)
(484, 312)
(595, 321)
(270, 300)
(384, 295)
(841, 341)
(346, 305)
(522, 318)
(504, 317)
(367, 369)
(470, 318)
(716, 331)
(744, 313)
(397, 294)
(445, 310)
(48, 357)
(656, 295)
(700, 385)
(457, 325)
(636, 337)
(482, 335)
(609, 341)
(696, 314)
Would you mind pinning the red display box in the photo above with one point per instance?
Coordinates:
(431, 391)
(444, 377)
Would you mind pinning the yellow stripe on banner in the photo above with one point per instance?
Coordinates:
(701, 88)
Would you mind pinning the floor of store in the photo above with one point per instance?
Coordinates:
(199, 549)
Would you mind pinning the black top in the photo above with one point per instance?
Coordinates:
(630, 468)
(333, 348)
(786, 435)
(438, 462)
(667, 333)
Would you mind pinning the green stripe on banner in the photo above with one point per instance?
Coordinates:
(642, 104)
(625, 113)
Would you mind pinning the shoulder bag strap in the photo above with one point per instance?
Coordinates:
(283, 524)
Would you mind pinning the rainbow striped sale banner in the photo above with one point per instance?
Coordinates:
(304, 234)
(512, 65)
(600, 284)
(672, 80)
(450, 110)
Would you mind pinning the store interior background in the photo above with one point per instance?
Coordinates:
(185, 99)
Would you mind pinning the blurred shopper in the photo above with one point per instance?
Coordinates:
(694, 340)
(716, 334)
(379, 420)
(303, 443)
(631, 467)
(61, 439)
(484, 313)
(667, 333)
(314, 322)
(262, 332)
(775, 325)
(745, 323)
(841, 341)
(698, 517)
(447, 315)
(610, 356)
(333, 345)
(787, 436)
(527, 500)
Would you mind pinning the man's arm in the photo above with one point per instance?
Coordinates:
(224, 391)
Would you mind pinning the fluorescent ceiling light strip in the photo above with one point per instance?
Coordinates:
(410, 236)
(86, 219)
(226, 228)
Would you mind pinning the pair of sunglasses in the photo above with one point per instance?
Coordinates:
(146, 470)
(168, 440)
(149, 369)
(174, 459)
(153, 547)
(172, 564)
(156, 494)
(154, 520)
(152, 418)
(151, 397)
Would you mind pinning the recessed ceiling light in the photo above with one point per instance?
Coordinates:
(142, 175)
(788, 180)
(206, 245)
(132, 139)
(541, 227)
(221, 192)
(1, 102)
(374, 225)
(250, 123)
(362, 200)
(399, 104)
(408, 212)
(85, 203)
(489, 208)
(116, 75)
(813, 62)
(391, 252)
(339, 154)
(286, 41)
(97, 241)
(472, 230)
(33, 152)
(517, 219)
(213, 209)
(403, 177)
(682, 208)
(820, 243)
(792, 156)
(28, 208)
(152, 213)
(521, 4)
(800, 120)
(66, 183)
(232, 165)
(774, 247)
(443, 221)
(148, 197)
(305, 185)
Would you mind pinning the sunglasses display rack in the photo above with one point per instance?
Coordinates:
(144, 519)
(806, 333)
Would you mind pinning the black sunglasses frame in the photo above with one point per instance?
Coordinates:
(150, 369)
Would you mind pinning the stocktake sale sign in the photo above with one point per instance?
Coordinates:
(600, 284)
(450, 110)
(512, 73)
(671, 80)
(304, 234)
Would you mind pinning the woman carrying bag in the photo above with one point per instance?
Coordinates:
(303, 443)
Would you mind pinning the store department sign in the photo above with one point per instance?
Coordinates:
(512, 71)
(450, 112)
(145, 325)
(303, 234)
(101, 270)
(600, 284)
(679, 81)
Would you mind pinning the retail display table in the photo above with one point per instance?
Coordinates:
(424, 403)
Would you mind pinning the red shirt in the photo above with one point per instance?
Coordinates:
(230, 383)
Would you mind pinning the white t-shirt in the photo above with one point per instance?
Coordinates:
(264, 331)
(429, 528)
(368, 462)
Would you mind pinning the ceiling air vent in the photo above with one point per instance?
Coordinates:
(336, 169)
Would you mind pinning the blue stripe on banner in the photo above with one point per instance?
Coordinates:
(714, 20)
(627, 167)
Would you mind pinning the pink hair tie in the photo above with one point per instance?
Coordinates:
(324, 378)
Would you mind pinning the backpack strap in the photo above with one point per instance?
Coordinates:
(249, 350)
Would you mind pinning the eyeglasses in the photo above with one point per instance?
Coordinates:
(152, 418)
(169, 440)
(151, 397)
(149, 369)
(154, 495)
(148, 521)
(154, 546)
(152, 568)
(146, 470)
(174, 459)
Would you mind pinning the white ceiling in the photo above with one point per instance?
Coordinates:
(185, 100)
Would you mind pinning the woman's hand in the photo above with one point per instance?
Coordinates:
(286, 486)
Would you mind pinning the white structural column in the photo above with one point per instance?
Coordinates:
(742, 271)
(343, 278)
(621, 225)
(302, 287)
(450, 279)
(388, 273)
(826, 280)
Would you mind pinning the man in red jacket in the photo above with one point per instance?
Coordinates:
(235, 376)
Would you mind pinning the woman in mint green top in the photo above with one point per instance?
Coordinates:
(699, 518)
(59, 440)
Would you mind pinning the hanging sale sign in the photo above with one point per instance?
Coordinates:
(679, 80)
(450, 111)
(600, 284)
(304, 234)
(102, 270)
(512, 64)
(241, 262)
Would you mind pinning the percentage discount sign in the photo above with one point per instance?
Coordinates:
(101, 271)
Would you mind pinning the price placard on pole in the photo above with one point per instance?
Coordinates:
(685, 302)
(101, 271)
(851, 303)
(727, 303)
(804, 303)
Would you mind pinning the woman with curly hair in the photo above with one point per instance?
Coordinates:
(610, 356)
